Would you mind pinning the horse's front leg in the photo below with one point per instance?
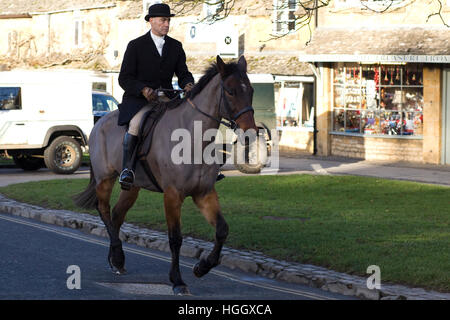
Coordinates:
(116, 257)
(209, 206)
(172, 208)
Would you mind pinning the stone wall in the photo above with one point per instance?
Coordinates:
(386, 149)
(296, 141)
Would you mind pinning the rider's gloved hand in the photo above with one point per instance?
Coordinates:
(149, 94)
(188, 87)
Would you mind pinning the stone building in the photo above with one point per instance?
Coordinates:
(382, 81)
(374, 85)
(93, 34)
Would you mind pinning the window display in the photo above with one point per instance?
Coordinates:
(378, 99)
(295, 106)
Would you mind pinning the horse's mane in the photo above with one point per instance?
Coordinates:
(210, 73)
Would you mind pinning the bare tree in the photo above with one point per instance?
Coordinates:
(382, 6)
(222, 8)
(439, 14)
(298, 14)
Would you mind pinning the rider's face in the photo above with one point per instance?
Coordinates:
(160, 25)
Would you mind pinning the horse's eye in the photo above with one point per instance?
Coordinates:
(231, 92)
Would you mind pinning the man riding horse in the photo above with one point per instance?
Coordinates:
(149, 63)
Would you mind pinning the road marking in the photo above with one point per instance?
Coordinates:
(318, 169)
(222, 274)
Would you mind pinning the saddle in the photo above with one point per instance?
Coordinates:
(146, 131)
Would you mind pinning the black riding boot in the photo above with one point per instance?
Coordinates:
(127, 176)
(220, 176)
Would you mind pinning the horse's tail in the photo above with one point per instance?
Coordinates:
(87, 199)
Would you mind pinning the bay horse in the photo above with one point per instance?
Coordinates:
(223, 92)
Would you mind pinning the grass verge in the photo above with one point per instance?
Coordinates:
(344, 223)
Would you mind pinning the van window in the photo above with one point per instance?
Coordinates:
(103, 103)
(10, 98)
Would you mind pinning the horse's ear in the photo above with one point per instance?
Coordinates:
(242, 63)
(220, 66)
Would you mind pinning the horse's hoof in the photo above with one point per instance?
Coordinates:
(199, 271)
(116, 270)
(181, 291)
(119, 271)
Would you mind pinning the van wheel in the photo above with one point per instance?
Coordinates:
(28, 163)
(63, 155)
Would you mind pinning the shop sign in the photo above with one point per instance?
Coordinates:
(375, 58)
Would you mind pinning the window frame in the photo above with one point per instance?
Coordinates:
(282, 26)
(302, 124)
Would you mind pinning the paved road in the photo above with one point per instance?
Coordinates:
(16, 175)
(35, 258)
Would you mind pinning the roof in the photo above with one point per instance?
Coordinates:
(400, 41)
(8, 7)
(273, 64)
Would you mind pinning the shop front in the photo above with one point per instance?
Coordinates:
(377, 111)
(388, 107)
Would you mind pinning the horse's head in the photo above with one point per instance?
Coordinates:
(237, 94)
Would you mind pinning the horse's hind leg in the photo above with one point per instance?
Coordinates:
(116, 256)
(172, 208)
(209, 206)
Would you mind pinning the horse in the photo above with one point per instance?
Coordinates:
(224, 92)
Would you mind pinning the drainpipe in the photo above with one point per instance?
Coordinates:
(318, 78)
(316, 15)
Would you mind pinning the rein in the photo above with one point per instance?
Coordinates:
(177, 91)
(231, 123)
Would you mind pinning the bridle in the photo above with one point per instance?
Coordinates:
(232, 121)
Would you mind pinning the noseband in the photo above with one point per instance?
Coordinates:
(232, 121)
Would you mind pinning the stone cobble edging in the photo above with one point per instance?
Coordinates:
(247, 261)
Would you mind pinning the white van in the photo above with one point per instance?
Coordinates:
(46, 117)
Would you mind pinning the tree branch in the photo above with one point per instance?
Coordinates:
(438, 14)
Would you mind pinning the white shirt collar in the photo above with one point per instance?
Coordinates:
(159, 42)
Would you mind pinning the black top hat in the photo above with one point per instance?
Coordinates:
(158, 10)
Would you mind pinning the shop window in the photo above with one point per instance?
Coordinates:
(295, 105)
(378, 99)
(284, 16)
(10, 98)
